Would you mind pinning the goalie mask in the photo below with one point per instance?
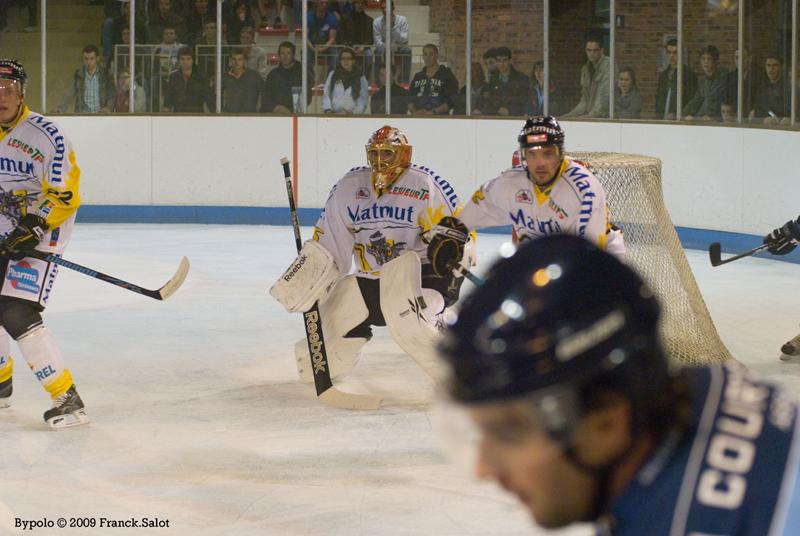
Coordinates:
(389, 155)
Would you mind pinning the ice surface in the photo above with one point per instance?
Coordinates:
(197, 417)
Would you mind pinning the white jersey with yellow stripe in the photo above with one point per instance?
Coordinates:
(574, 203)
(374, 229)
(38, 167)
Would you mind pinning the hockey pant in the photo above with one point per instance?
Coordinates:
(24, 293)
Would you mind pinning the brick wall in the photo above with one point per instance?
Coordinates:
(517, 24)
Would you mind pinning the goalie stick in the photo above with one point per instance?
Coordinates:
(315, 338)
(715, 254)
(167, 290)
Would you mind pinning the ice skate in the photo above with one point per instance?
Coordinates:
(67, 411)
(5, 393)
(791, 348)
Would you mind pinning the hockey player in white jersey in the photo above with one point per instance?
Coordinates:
(39, 181)
(376, 215)
(557, 366)
(547, 193)
(783, 241)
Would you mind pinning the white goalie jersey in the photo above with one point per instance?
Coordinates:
(575, 203)
(356, 223)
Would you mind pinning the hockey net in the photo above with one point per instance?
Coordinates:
(636, 205)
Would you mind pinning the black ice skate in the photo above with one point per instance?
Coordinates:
(5, 393)
(67, 411)
(791, 348)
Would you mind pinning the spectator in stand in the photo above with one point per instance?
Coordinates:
(276, 95)
(399, 96)
(400, 49)
(202, 12)
(206, 59)
(165, 62)
(707, 100)
(241, 85)
(255, 56)
(322, 29)
(727, 110)
(594, 82)
(434, 87)
(667, 91)
(510, 88)
(480, 96)
(749, 83)
(627, 99)
(773, 97)
(119, 33)
(91, 88)
(121, 103)
(163, 18)
(490, 61)
(346, 89)
(188, 89)
(537, 92)
(266, 12)
(240, 18)
(112, 10)
(355, 31)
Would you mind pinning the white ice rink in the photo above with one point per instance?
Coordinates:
(197, 418)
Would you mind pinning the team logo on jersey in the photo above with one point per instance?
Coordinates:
(478, 196)
(382, 249)
(35, 154)
(555, 208)
(377, 212)
(362, 193)
(422, 194)
(524, 196)
(17, 167)
(23, 277)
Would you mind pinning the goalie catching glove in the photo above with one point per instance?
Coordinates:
(24, 237)
(446, 246)
(784, 239)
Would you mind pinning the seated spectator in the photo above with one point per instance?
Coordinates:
(399, 42)
(188, 88)
(399, 95)
(166, 52)
(255, 56)
(627, 99)
(276, 95)
(667, 91)
(594, 82)
(537, 92)
(240, 18)
(750, 81)
(355, 31)
(773, 97)
(164, 17)
(121, 104)
(322, 30)
(241, 85)
(727, 111)
(707, 101)
(433, 87)
(91, 88)
(490, 62)
(480, 94)
(510, 88)
(201, 13)
(345, 90)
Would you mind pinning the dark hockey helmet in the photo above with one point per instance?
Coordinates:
(553, 318)
(13, 70)
(540, 131)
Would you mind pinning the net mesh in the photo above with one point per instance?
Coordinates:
(636, 205)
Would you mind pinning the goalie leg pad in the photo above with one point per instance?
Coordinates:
(342, 311)
(308, 279)
(408, 315)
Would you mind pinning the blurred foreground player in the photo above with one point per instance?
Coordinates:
(781, 241)
(558, 363)
(39, 180)
(377, 215)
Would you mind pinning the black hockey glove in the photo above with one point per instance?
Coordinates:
(446, 246)
(24, 237)
(782, 240)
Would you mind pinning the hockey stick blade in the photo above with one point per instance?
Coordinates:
(715, 254)
(339, 399)
(175, 281)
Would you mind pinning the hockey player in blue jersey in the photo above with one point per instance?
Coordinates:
(781, 241)
(558, 363)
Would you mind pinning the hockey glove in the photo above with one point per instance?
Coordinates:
(446, 246)
(784, 239)
(24, 237)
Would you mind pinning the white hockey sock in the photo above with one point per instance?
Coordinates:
(39, 349)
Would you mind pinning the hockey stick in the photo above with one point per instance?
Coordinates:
(715, 254)
(162, 293)
(474, 279)
(315, 338)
